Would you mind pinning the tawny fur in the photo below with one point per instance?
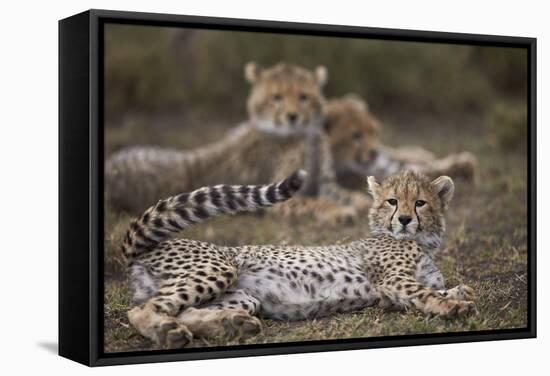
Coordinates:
(354, 136)
(286, 109)
(187, 288)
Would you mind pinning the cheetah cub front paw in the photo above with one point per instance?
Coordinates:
(456, 308)
(461, 292)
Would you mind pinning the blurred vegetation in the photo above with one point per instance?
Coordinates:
(506, 68)
(200, 72)
(509, 124)
(140, 72)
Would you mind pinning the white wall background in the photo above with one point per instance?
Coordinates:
(28, 197)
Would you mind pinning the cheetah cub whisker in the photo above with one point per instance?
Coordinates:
(186, 288)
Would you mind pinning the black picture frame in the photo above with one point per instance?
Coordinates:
(81, 182)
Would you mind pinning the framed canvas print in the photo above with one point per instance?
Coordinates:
(238, 187)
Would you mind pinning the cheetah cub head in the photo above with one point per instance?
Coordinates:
(353, 133)
(286, 99)
(409, 206)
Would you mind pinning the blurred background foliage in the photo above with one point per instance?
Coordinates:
(197, 76)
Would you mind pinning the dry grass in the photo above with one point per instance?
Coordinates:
(486, 246)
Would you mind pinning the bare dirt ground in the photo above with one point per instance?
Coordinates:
(485, 244)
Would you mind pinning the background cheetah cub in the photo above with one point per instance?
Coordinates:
(186, 288)
(286, 109)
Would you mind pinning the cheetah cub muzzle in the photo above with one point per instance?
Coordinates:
(186, 288)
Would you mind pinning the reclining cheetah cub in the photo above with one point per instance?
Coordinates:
(286, 108)
(187, 288)
(354, 134)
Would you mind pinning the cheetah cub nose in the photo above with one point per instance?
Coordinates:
(292, 117)
(405, 219)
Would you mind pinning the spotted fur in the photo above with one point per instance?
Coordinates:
(286, 109)
(186, 288)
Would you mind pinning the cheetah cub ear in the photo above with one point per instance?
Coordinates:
(444, 188)
(373, 187)
(252, 72)
(321, 75)
(358, 103)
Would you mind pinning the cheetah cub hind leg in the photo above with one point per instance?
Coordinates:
(165, 331)
(229, 316)
(228, 322)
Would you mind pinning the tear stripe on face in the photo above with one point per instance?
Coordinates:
(393, 214)
(419, 226)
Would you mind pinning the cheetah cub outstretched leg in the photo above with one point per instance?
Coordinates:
(407, 292)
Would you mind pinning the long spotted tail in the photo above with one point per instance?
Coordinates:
(169, 216)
